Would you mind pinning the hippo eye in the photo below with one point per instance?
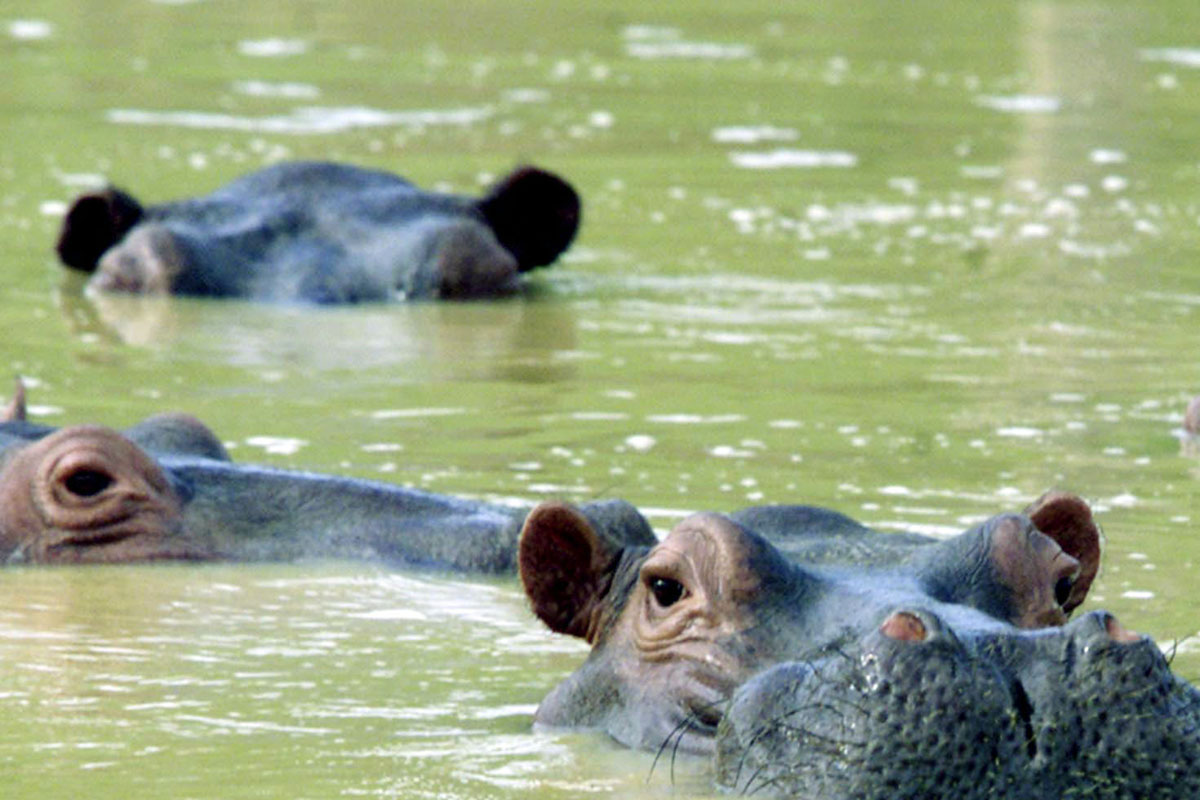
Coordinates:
(87, 482)
(666, 591)
(1062, 589)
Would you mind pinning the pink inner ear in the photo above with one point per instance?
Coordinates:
(557, 560)
(1067, 519)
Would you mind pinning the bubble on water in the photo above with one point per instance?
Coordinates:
(305, 120)
(601, 119)
(286, 89)
(640, 442)
(272, 48)
(705, 51)
(793, 159)
(30, 29)
(1181, 56)
(905, 185)
(729, 451)
(382, 447)
(753, 134)
(526, 95)
(410, 413)
(1105, 156)
(43, 410)
(696, 419)
(52, 208)
(1034, 230)
(642, 32)
(1020, 432)
(1020, 103)
(1138, 594)
(277, 445)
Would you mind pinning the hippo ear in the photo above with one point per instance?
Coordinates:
(95, 223)
(177, 434)
(1068, 520)
(565, 567)
(534, 215)
(15, 411)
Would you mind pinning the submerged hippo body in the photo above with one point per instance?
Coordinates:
(945, 669)
(323, 233)
(166, 490)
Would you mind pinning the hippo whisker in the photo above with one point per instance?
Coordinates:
(693, 721)
(822, 744)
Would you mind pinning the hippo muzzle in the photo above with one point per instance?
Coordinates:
(914, 710)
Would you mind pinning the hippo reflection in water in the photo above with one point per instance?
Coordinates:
(838, 663)
(165, 489)
(323, 233)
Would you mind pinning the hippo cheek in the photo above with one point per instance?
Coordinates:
(88, 494)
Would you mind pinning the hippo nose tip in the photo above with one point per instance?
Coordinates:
(1119, 633)
(904, 626)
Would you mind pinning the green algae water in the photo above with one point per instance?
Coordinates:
(915, 262)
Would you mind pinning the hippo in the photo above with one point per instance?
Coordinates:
(318, 232)
(166, 490)
(808, 656)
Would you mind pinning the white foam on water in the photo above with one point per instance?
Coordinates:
(1020, 103)
(286, 89)
(793, 159)
(1180, 56)
(305, 120)
(753, 134)
(29, 30)
(272, 48)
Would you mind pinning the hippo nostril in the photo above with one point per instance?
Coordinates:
(1024, 709)
(1119, 633)
(904, 627)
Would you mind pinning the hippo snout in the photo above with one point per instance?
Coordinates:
(917, 710)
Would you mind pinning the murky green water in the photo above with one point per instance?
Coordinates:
(915, 262)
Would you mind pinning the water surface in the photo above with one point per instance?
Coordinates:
(912, 263)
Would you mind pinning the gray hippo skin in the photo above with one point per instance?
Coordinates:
(323, 233)
(943, 669)
(165, 490)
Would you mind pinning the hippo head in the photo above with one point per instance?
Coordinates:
(88, 494)
(936, 676)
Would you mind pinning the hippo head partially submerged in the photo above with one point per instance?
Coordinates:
(948, 669)
(324, 233)
(165, 489)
